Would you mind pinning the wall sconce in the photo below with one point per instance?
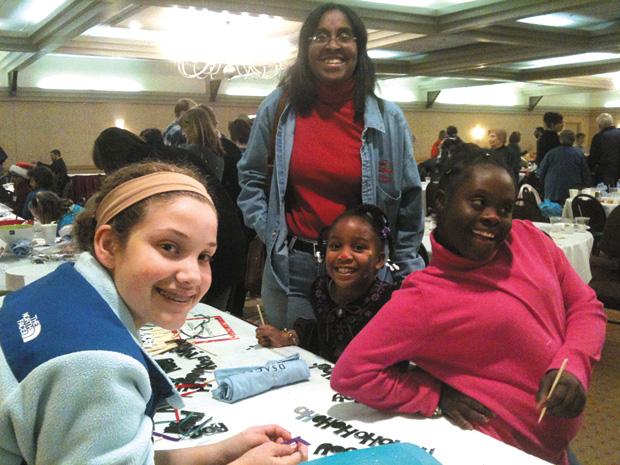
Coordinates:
(478, 133)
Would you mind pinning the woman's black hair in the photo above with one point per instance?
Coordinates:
(43, 176)
(299, 81)
(152, 136)
(459, 166)
(116, 147)
(374, 217)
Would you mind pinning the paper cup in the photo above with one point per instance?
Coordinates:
(48, 233)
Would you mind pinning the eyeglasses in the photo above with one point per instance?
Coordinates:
(323, 38)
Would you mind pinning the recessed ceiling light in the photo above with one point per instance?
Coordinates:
(383, 54)
(570, 59)
(37, 10)
(553, 20)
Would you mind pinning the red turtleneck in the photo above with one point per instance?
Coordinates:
(325, 171)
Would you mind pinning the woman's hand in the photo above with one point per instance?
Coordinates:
(568, 398)
(270, 336)
(272, 453)
(462, 410)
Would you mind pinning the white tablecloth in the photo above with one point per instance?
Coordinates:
(22, 267)
(577, 247)
(294, 407)
(567, 211)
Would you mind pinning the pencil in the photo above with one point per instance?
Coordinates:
(555, 383)
(260, 314)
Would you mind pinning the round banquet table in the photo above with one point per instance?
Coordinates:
(577, 247)
(608, 205)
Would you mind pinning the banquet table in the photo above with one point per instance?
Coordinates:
(16, 272)
(609, 204)
(577, 247)
(314, 412)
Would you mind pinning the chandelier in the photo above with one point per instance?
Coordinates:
(204, 70)
(211, 45)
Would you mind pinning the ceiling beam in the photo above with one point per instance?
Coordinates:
(97, 46)
(15, 43)
(579, 83)
(531, 37)
(507, 10)
(71, 21)
(430, 84)
(583, 69)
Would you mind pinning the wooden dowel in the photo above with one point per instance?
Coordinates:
(260, 314)
(555, 383)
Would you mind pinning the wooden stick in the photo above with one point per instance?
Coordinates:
(555, 383)
(260, 314)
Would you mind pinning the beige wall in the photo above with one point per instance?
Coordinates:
(30, 128)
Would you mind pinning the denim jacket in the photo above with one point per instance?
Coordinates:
(390, 180)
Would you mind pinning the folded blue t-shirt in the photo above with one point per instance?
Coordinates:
(238, 383)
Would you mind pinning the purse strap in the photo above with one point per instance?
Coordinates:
(271, 155)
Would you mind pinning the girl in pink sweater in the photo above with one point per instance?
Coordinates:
(488, 323)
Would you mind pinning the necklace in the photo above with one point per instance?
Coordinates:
(332, 295)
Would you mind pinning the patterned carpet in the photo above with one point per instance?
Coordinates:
(598, 441)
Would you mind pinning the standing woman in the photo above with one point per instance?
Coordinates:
(202, 139)
(336, 146)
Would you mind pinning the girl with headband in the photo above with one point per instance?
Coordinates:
(75, 385)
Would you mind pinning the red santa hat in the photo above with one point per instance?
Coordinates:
(21, 169)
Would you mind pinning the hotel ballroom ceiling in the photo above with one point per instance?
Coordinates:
(546, 48)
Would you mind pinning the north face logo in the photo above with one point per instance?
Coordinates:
(29, 327)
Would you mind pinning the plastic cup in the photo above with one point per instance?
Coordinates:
(556, 224)
(581, 223)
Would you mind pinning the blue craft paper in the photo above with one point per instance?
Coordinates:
(390, 454)
(238, 383)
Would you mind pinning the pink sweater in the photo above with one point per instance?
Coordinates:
(490, 330)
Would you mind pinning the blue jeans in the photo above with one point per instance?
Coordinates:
(282, 309)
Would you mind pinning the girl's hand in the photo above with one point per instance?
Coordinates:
(272, 453)
(568, 399)
(462, 410)
(270, 336)
(251, 438)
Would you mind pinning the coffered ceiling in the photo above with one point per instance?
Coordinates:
(422, 47)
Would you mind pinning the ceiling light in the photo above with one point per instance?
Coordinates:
(377, 54)
(135, 25)
(552, 20)
(612, 104)
(570, 59)
(37, 10)
(243, 45)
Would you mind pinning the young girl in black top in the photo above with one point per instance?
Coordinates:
(351, 293)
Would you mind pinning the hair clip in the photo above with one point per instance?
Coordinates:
(385, 232)
(391, 265)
